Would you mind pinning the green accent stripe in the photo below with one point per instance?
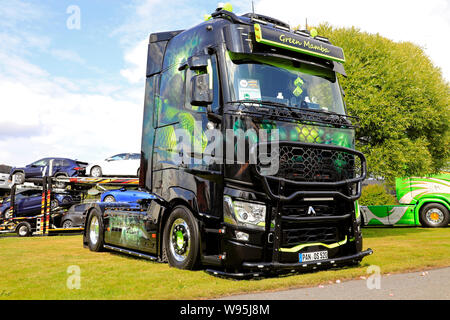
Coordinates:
(301, 246)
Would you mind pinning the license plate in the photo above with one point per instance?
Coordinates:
(313, 256)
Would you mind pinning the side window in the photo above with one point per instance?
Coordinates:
(117, 157)
(40, 163)
(213, 82)
(171, 92)
(57, 163)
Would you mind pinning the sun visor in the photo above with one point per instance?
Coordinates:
(299, 43)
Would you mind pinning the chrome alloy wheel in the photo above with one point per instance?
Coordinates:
(94, 230)
(434, 216)
(180, 240)
(96, 172)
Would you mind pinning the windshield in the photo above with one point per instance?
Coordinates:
(283, 81)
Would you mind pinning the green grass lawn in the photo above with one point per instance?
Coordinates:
(36, 268)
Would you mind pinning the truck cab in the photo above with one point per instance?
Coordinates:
(247, 150)
(423, 201)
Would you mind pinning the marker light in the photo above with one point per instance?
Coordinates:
(313, 33)
(227, 6)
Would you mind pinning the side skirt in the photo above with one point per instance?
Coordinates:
(131, 252)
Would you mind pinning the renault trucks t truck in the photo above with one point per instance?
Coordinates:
(247, 151)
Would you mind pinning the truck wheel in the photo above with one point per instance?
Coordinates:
(23, 229)
(181, 239)
(94, 231)
(434, 215)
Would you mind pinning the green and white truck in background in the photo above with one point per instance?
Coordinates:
(423, 202)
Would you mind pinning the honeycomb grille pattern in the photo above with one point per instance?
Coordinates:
(309, 235)
(317, 165)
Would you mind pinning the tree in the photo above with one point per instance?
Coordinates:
(401, 99)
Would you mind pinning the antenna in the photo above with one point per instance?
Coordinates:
(253, 9)
(306, 23)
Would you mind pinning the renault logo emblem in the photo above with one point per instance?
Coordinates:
(311, 211)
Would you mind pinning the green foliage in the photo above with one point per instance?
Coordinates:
(376, 194)
(401, 99)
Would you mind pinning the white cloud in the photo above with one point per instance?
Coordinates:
(42, 118)
(425, 23)
(136, 60)
(67, 55)
(44, 115)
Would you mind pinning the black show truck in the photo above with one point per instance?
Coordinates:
(236, 76)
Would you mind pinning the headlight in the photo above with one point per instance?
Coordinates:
(248, 214)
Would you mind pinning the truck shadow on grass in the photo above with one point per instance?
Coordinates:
(237, 276)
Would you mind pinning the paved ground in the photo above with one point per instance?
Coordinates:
(425, 285)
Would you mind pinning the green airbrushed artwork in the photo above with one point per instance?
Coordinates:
(388, 215)
(303, 133)
(412, 193)
(131, 230)
(410, 190)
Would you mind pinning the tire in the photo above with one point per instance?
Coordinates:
(109, 199)
(7, 214)
(54, 204)
(181, 239)
(96, 172)
(58, 184)
(23, 229)
(67, 224)
(94, 231)
(18, 177)
(434, 215)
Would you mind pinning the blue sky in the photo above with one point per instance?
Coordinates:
(79, 93)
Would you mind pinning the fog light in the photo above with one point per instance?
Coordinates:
(242, 236)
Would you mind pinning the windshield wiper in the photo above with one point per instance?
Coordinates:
(295, 108)
(298, 113)
(265, 102)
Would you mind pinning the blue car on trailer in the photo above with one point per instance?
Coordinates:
(124, 195)
(61, 167)
(28, 203)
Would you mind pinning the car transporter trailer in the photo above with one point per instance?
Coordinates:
(41, 224)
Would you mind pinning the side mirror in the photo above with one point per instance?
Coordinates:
(201, 94)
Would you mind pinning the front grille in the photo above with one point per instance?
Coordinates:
(310, 164)
(292, 237)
